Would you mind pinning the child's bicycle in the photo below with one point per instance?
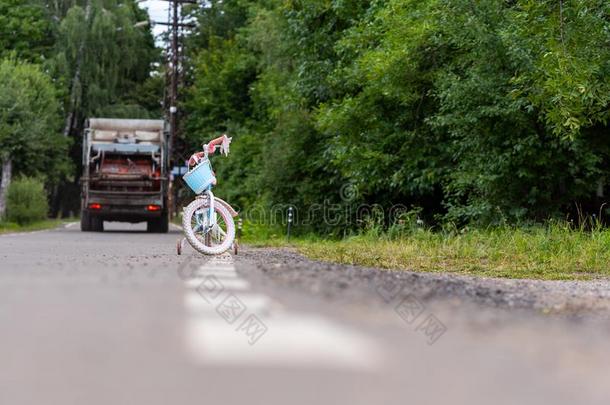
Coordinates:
(207, 221)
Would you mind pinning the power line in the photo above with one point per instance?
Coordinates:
(187, 25)
(181, 1)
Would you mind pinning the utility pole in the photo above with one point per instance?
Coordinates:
(175, 70)
(173, 62)
(173, 96)
(173, 107)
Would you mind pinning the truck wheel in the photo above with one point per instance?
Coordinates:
(97, 224)
(158, 225)
(163, 223)
(152, 226)
(85, 221)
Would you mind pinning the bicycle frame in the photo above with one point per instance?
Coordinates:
(210, 219)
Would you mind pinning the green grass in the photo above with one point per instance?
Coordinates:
(551, 252)
(258, 235)
(10, 227)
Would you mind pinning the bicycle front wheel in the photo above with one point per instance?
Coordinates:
(208, 234)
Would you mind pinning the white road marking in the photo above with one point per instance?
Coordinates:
(256, 303)
(219, 274)
(235, 284)
(217, 271)
(193, 282)
(290, 340)
(232, 283)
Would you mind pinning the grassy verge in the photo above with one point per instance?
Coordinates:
(258, 235)
(10, 227)
(554, 251)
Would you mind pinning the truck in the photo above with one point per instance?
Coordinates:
(125, 173)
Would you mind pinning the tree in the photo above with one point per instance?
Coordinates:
(100, 57)
(30, 142)
(479, 112)
(26, 29)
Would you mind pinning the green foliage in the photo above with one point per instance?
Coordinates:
(102, 59)
(25, 29)
(256, 234)
(30, 120)
(26, 201)
(554, 251)
(245, 82)
(564, 47)
(222, 71)
(486, 112)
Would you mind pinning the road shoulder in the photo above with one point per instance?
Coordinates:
(573, 299)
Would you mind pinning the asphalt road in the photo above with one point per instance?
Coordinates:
(118, 318)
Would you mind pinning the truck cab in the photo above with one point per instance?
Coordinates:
(125, 173)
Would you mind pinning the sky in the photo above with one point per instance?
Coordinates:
(157, 10)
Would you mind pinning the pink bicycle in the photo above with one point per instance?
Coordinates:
(208, 220)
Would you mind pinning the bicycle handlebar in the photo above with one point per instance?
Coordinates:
(209, 148)
(222, 141)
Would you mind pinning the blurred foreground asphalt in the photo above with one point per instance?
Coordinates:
(118, 318)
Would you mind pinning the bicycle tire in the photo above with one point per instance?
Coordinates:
(197, 244)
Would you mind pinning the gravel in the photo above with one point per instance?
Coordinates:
(338, 282)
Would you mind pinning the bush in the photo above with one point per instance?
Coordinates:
(26, 201)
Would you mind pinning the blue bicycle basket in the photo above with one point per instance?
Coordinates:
(200, 177)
